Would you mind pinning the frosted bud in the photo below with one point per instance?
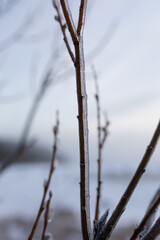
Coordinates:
(48, 236)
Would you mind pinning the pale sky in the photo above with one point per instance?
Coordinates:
(127, 67)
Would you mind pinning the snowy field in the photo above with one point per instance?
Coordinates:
(22, 185)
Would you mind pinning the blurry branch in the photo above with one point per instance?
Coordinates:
(79, 64)
(47, 183)
(20, 31)
(46, 217)
(23, 146)
(10, 97)
(148, 219)
(102, 135)
(63, 29)
(154, 232)
(103, 42)
(109, 227)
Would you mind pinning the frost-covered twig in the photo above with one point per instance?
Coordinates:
(47, 183)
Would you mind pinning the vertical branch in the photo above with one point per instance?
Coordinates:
(82, 14)
(47, 183)
(101, 140)
(69, 19)
(77, 38)
(107, 230)
(83, 140)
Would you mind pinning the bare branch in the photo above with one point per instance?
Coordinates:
(149, 216)
(63, 29)
(83, 121)
(83, 141)
(69, 20)
(131, 187)
(101, 141)
(82, 14)
(47, 184)
(154, 232)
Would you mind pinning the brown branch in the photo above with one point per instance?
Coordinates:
(83, 140)
(106, 232)
(101, 141)
(46, 218)
(83, 124)
(69, 19)
(82, 14)
(63, 29)
(83, 119)
(46, 187)
(148, 216)
(154, 232)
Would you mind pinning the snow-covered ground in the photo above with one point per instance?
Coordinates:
(21, 189)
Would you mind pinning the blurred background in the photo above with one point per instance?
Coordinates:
(37, 78)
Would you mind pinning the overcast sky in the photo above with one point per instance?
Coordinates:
(122, 41)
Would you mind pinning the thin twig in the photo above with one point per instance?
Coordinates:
(46, 218)
(131, 187)
(149, 215)
(69, 19)
(154, 232)
(63, 29)
(101, 141)
(46, 187)
(82, 14)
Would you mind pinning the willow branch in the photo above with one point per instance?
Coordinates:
(63, 29)
(82, 14)
(47, 184)
(154, 232)
(131, 187)
(148, 216)
(46, 218)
